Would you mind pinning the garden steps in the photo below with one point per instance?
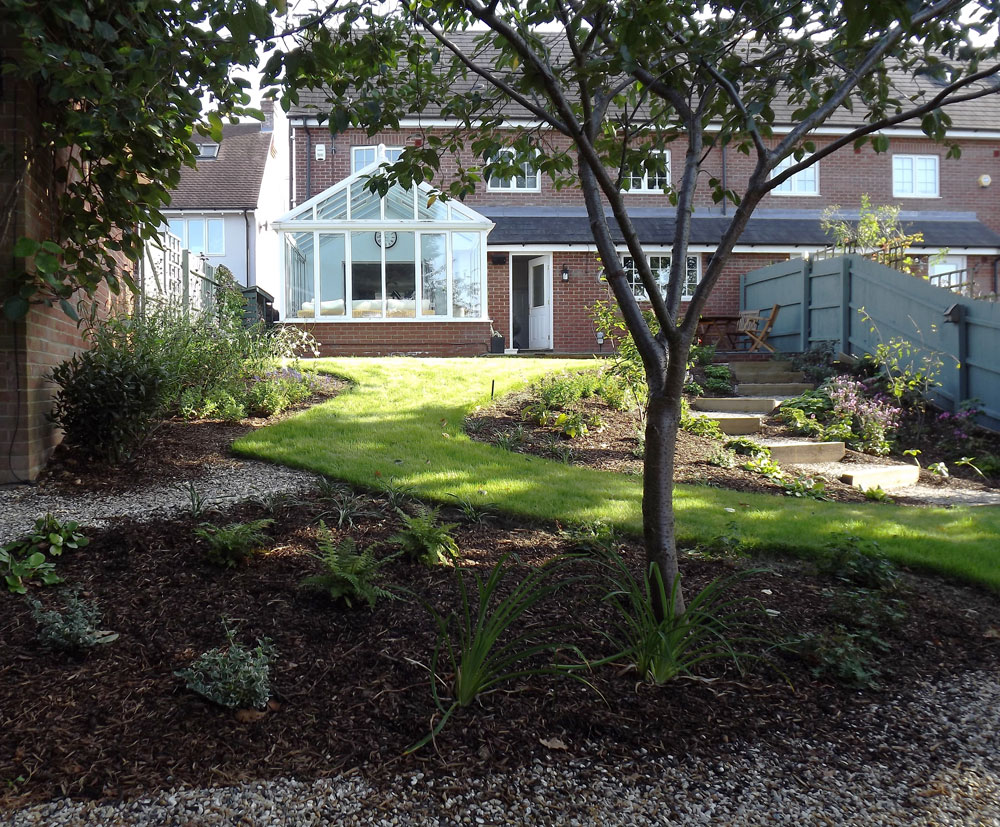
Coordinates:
(773, 388)
(864, 477)
(764, 371)
(804, 451)
(736, 404)
(735, 423)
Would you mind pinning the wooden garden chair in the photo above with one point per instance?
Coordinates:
(757, 328)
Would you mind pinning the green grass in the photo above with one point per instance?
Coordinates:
(402, 421)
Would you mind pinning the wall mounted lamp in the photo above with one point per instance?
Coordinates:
(600, 340)
(565, 273)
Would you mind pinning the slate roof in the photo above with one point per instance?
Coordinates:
(232, 179)
(980, 114)
(568, 225)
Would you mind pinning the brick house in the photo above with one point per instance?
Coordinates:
(538, 269)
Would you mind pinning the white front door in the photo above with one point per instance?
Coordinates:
(540, 303)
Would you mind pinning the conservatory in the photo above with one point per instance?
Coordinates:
(350, 255)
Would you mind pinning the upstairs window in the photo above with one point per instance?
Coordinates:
(654, 177)
(805, 182)
(207, 151)
(915, 176)
(200, 235)
(362, 156)
(525, 180)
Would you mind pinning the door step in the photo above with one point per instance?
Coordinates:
(773, 388)
(804, 452)
(736, 404)
(735, 423)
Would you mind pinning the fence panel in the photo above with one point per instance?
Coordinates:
(173, 275)
(783, 284)
(861, 303)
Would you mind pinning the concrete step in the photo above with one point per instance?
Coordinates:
(735, 424)
(753, 371)
(736, 404)
(803, 451)
(773, 388)
(880, 476)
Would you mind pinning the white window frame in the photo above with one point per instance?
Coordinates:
(662, 257)
(798, 184)
(494, 184)
(645, 187)
(207, 150)
(185, 234)
(912, 160)
(388, 151)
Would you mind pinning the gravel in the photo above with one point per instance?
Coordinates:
(941, 767)
(20, 506)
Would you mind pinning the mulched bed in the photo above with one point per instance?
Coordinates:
(177, 451)
(351, 688)
(614, 448)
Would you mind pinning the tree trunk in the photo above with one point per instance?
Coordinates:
(659, 534)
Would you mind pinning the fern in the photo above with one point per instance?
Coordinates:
(348, 575)
(423, 538)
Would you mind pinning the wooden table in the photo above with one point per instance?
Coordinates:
(715, 328)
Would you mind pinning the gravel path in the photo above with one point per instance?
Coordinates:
(948, 774)
(20, 506)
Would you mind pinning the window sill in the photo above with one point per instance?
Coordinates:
(795, 194)
(918, 197)
(380, 320)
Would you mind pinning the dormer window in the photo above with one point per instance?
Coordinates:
(208, 151)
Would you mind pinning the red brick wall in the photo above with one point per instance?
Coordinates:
(843, 177)
(33, 346)
(401, 338)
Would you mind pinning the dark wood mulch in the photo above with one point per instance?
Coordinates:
(352, 687)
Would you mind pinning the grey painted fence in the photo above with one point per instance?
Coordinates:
(856, 304)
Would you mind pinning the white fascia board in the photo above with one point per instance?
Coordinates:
(195, 210)
(832, 131)
(375, 226)
(756, 249)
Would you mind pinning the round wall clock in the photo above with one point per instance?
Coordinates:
(390, 239)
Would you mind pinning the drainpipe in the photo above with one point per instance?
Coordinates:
(724, 207)
(246, 225)
(996, 277)
(309, 158)
(291, 167)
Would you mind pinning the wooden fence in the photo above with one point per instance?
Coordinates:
(172, 275)
(856, 303)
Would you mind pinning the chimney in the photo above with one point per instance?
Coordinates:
(267, 107)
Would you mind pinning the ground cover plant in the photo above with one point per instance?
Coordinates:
(321, 688)
(403, 421)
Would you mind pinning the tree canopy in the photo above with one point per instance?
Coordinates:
(120, 86)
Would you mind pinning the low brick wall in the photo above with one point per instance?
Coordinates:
(400, 338)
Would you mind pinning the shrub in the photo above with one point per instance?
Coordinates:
(722, 458)
(230, 545)
(765, 466)
(699, 425)
(693, 389)
(612, 390)
(233, 676)
(110, 396)
(701, 354)
(744, 446)
(848, 656)
(423, 538)
(559, 392)
(348, 575)
(817, 363)
(75, 629)
(721, 386)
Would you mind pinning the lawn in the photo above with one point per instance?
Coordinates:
(402, 423)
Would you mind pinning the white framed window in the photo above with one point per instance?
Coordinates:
(660, 265)
(207, 151)
(362, 156)
(947, 271)
(200, 235)
(805, 182)
(655, 177)
(525, 180)
(915, 176)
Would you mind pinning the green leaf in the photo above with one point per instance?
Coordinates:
(46, 263)
(25, 247)
(880, 143)
(15, 308)
(69, 310)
